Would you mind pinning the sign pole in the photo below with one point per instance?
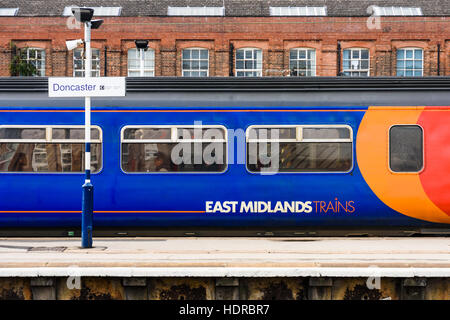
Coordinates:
(87, 87)
(88, 188)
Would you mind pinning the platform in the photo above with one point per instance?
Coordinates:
(311, 267)
(228, 256)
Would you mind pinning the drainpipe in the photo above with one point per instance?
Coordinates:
(439, 59)
(338, 58)
(106, 61)
(231, 60)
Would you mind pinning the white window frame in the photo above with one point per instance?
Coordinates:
(49, 139)
(9, 12)
(190, 59)
(354, 59)
(29, 60)
(83, 61)
(98, 11)
(396, 11)
(236, 70)
(298, 11)
(409, 59)
(174, 139)
(195, 11)
(150, 60)
(312, 61)
(299, 139)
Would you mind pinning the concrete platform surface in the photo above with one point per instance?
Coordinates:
(226, 257)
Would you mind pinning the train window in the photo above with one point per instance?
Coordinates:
(326, 133)
(306, 148)
(147, 133)
(173, 149)
(210, 133)
(47, 149)
(73, 134)
(22, 133)
(272, 133)
(406, 148)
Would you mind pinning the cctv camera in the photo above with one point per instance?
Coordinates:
(141, 44)
(72, 44)
(95, 24)
(83, 14)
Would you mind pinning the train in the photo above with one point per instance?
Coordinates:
(231, 156)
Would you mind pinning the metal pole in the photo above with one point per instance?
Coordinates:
(338, 73)
(141, 54)
(438, 59)
(88, 188)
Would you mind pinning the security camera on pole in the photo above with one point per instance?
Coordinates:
(84, 15)
(86, 87)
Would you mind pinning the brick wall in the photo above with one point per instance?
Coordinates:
(275, 36)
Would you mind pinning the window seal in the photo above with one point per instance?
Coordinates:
(299, 139)
(174, 141)
(389, 149)
(56, 141)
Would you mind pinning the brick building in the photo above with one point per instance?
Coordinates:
(233, 37)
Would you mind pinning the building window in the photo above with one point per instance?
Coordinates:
(134, 63)
(298, 11)
(195, 62)
(98, 11)
(79, 59)
(302, 62)
(35, 57)
(406, 148)
(410, 62)
(195, 11)
(356, 62)
(397, 11)
(249, 62)
(306, 148)
(47, 149)
(9, 12)
(172, 149)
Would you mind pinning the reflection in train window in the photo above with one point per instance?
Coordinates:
(47, 149)
(22, 133)
(146, 133)
(173, 149)
(73, 134)
(406, 148)
(306, 148)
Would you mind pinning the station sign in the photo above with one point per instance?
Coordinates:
(64, 87)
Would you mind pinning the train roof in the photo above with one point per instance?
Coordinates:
(242, 92)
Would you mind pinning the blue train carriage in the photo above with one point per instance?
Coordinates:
(304, 155)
